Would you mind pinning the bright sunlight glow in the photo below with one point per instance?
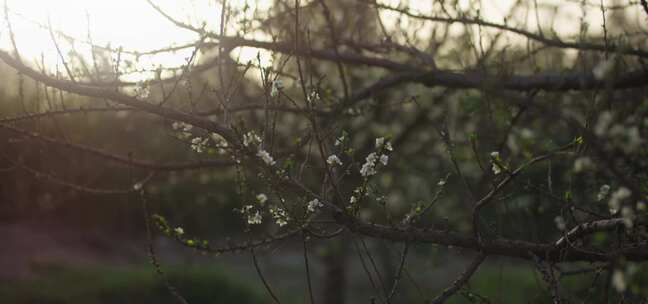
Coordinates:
(130, 24)
(135, 26)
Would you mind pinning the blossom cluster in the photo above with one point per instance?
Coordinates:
(560, 223)
(333, 160)
(252, 214)
(617, 197)
(183, 128)
(220, 142)
(280, 216)
(252, 139)
(357, 193)
(266, 157)
(142, 90)
(603, 192)
(625, 135)
(277, 86)
(375, 158)
(261, 199)
(313, 97)
(623, 275)
(496, 161)
(342, 139)
(583, 163)
(200, 144)
(313, 205)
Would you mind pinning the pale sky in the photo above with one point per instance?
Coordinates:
(127, 23)
(134, 25)
(131, 24)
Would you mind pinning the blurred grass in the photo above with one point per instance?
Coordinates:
(138, 284)
(508, 283)
(517, 283)
(503, 284)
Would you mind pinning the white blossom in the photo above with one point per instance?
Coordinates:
(617, 198)
(334, 160)
(265, 156)
(340, 140)
(527, 134)
(219, 140)
(277, 85)
(181, 126)
(496, 169)
(313, 97)
(314, 205)
(280, 216)
(633, 140)
(619, 280)
(199, 144)
(137, 186)
(560, 223)
(628, 138)
(254, 219)
(380, 141)
(582, 164)
(384, 159)
(142, 90)
(261, 198)
(369, 167)
(495, 158)
(441, 182)
(251, 138)
(603, 69)
(603, 192)
(353, 199)
(281, 222)
(603, 123)
(178, 231)
(628, 216)
(388, 146)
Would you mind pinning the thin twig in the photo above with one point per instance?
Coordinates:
(151, 251)
(308, 274)
(399, 273)
(263, 280)
(460, 281)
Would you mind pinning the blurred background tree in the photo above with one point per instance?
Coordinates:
(373, 148)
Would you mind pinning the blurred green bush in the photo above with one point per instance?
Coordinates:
(139, 284)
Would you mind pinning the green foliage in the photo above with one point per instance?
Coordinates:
(103, 285)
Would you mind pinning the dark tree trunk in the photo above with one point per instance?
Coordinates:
(335, 265)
